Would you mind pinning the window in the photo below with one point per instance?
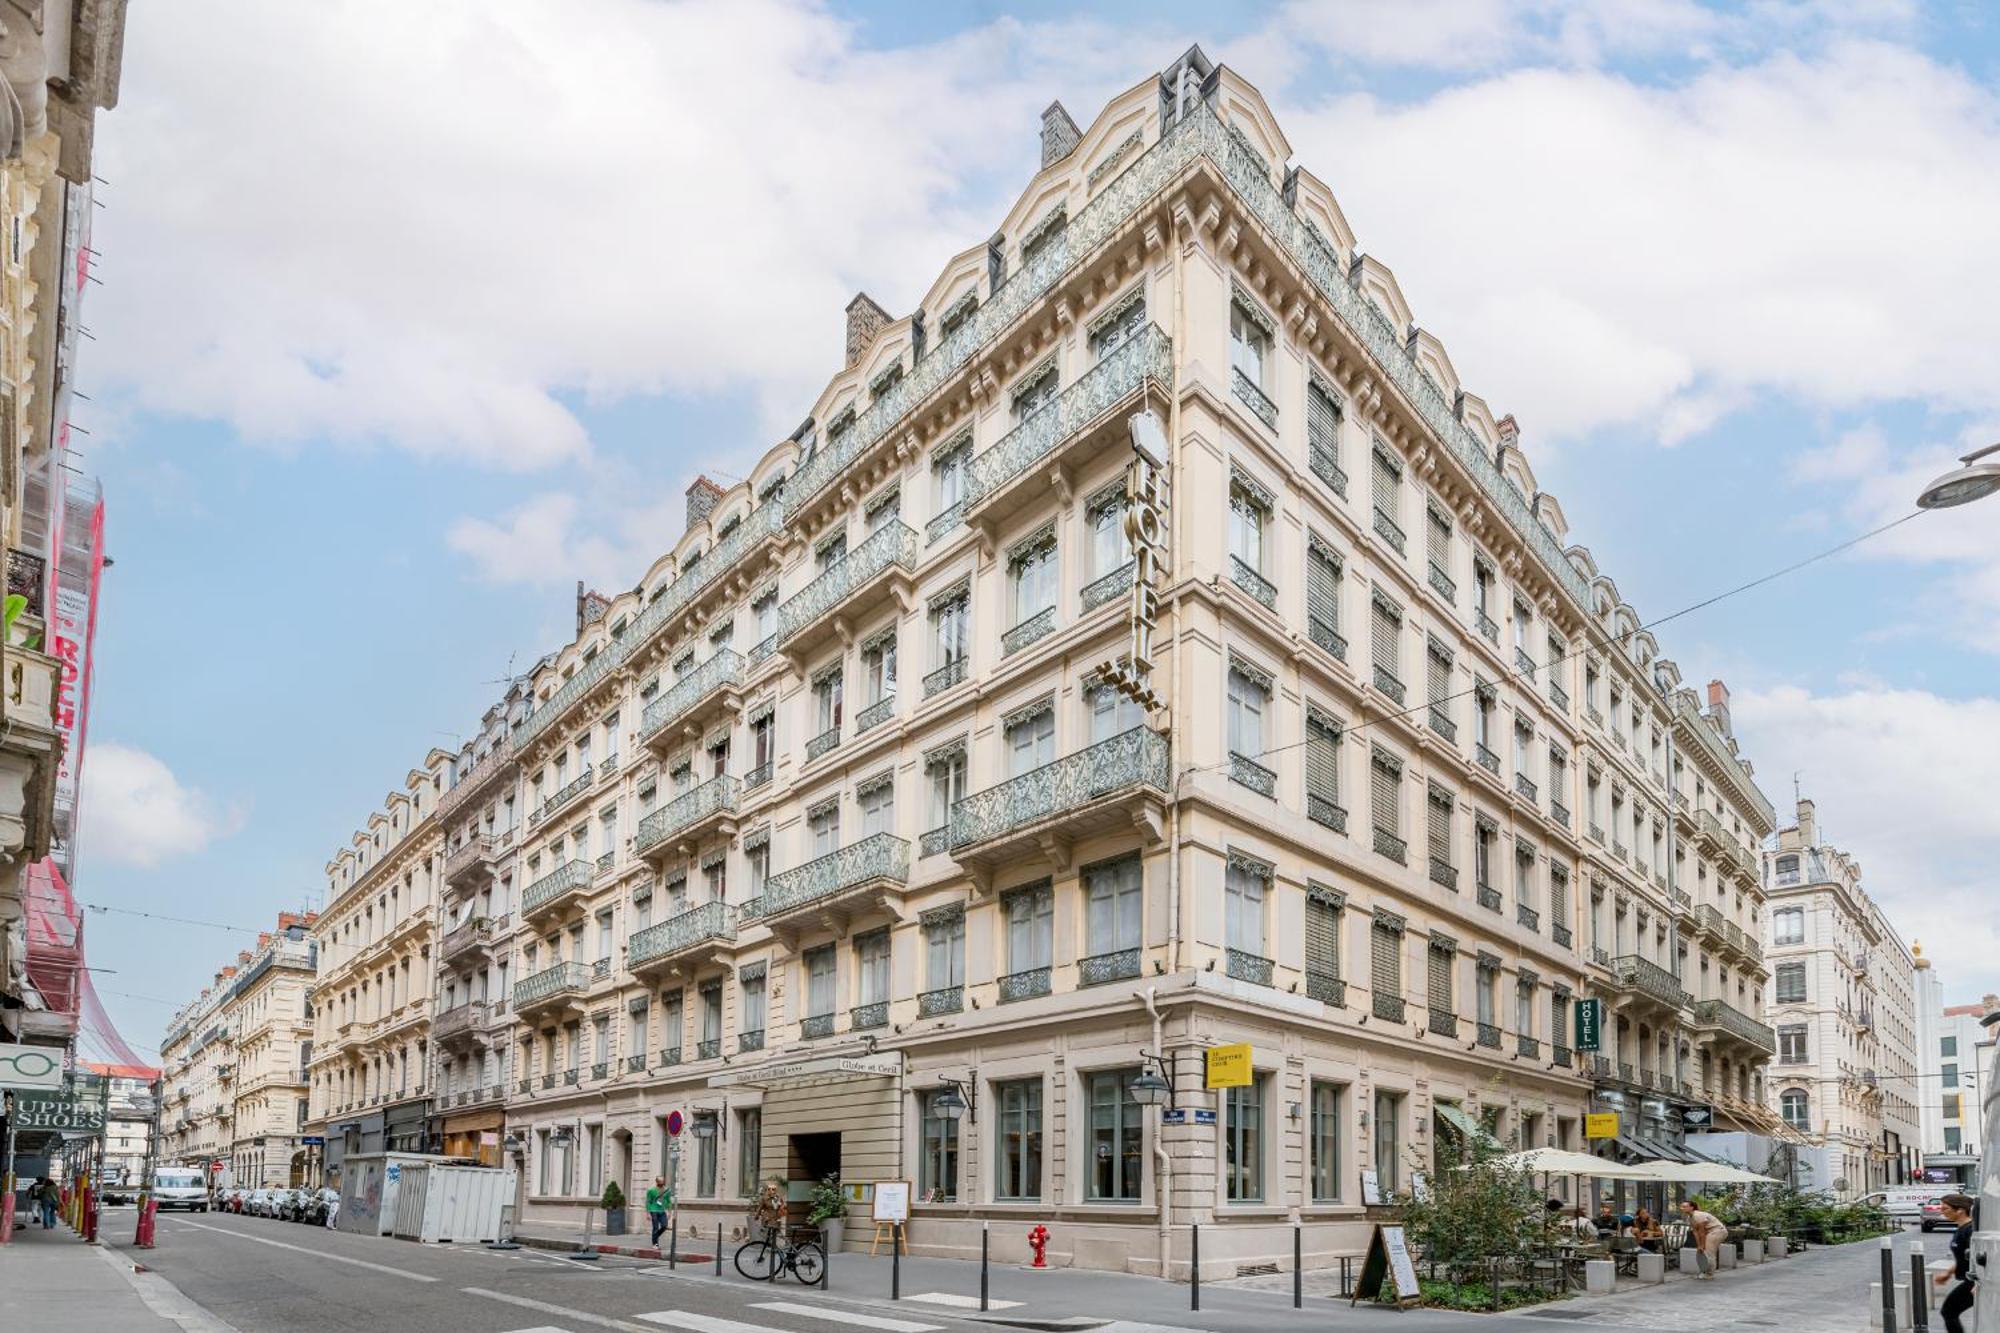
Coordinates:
(1018, 1139)
(1437, 685)
(829, 552)
(765, 609)
(823, 826)
(1243, 1141)
(1950, 1104)
(1788, 925)
(1437, 545)
(1386, 644)
(1109, 547)
(1948, 1076)
(1031, 741)
(1249, 695)
(947, 784)
(1325, 1142)
(1248, 515)
(1387, 489)
(758, 859)
(882, 510)
(1789, 983)
(1119, 327)
(1117, 1144)
(1439, 808)
(1323, 433)
(871, 963)
(707, 1150)
(749, 1151)
(1032, 568)
(937, 1167)
(827, 699)
(1322, 935)
(1030, 915)
(711, 1014)
(1323, 770)
(751, 985)
(948, 473)
(1323, 595)
(1793, 1106)
(1385, 785)
(878, 807)
(1951, 1138)
(1442, 957)
(1524, 1007)
(944, 951)
(1114, 896)
(1037, 391)
(762, 742)
(819, 970)
(1524, 876)
(878, 667)
(1111, 713)
(1388, 1130)
(1249, 342)
(1244, 885)
(1787, 868)
(1792, 1045)
(948, 626)
(1948, 1046)
(1385, 965)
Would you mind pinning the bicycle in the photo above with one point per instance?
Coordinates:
(775, 1254)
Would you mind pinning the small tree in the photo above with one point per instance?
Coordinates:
(1478, 1208)
(827, 1202)
(613, 1196)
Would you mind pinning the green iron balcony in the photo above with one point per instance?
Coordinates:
(1075, 797)
(559, 888)
(693, 815)
(561, 799)
(473, 935)
(471, 864)
(560, 986)
(1644, 977)
(458, 1025)
(863, 580)
(1720, 1016)
(838, 886)
(679, 713)
(681, 942)
(1003, 477)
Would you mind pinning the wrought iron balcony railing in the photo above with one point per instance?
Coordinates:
(459, 1020)
(1322, 811)
(1107, 588)
(1390, 531)
(1443, 873)
(1648, 978)
(1326, 988)
(943, 1000)
(1247, 772)
(1326, 467)
(564, 794)
(1254, 398)
(881, 856)
(946, 676)
(1487, 759)
(471, 932)
(708, 923)
(1389, 845)
(474, 853)
(1720, 1014)
(1032, 630)
(1387, 682)
(1252, 582)
(1390, 1007)
(1025, 985)
(1117, 965)
(1489, 897)
(723, 670)
(1488, 627)
(717, 795)
(1489, 1035)
(894, 544)
(551, 982)
(874, 715)
(569, 877)
(1246, 966)
(1442, 724)
(1442, 583)
(1133, 758)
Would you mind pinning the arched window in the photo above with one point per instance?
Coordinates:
(1792, 1105)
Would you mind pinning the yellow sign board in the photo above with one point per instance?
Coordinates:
(1229, 1066)
(1601, 1125)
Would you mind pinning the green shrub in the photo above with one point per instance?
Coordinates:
(613, 1196)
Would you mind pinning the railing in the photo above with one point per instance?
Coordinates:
(1443, 873)
(708, 1048)
(1486, 625)
(1707, 919)
(946, 676)
(762, 649)
(1527, 916)
(1117, 965)
(690, 807)
(1523, 663)
(1135, 757)
(943, 522)
(725, 668)
(1322, 811)
(892, 544)
(1560, 933)
(471, 931)
(1107, 588)
(1558, 812)
(874, 1014)
(1389, 845)
(1245, 966)
(1024, 985)
(635, 1064)
(1525, 786)
(821, 743)
(750, 1039)
(1442, 1022)
(1562, 1055)
(550, 982)
(1487, 759)
(944, 1000)
(758, 776)
(1253, 398)
(1326, 467)
(1648, 978)
(879, 856)
(669, 1056)
(1489, 897)
(1386, 681)
(874, 715)
(1032, 630)
(1247, 772)
(1390, 531)
(459, 1019)
(1389, 1007)
(1123, 370)
(1442, 724)
(1721, 1014)
(1558, 695)
(564, 878)
(934, 842)
(710, 921)
(463, 858)
(1252, 582)
(1326, 988)
(564, 794)
(1488, 1034)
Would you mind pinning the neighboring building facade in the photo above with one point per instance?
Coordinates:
(371, 996)
(1962, 1060)
(197, 1112)
(128, 1125)
(1843, 1006)
(480, 818)
(838, 843)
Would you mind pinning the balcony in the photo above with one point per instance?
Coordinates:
(1078, 425)
(1051, 808)
(946, 676)
(474, 935)
(1250, 581)
(1390, 531)
(561, 888)
(1250, 967)
(1442, 583)
(1489, 897)
(1254, 398)
(1326, 636)
(1444, 874)
(553, 990)
(1720, 1017)
(1558, 812)
(1488, 628)
(561, 799)
(1487, 759)
(1525, 788)
(1646, 979)
(461, 1025)
(471, 864)
(683, 823)
(848, 590)
(1030, 631)
(1247, 772)
(1326, 988)
(681, 712)
(682, 942)
(837, 887)
(1097, 969)
(1326, 466)
(943, 1000)
(1106, 589)
(1025, 985)
(1387, 682)
(1442, 724)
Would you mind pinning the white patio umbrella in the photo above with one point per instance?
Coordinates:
(1562, 1162)
(1704, 1173)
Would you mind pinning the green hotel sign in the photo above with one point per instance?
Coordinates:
(1589, 1025)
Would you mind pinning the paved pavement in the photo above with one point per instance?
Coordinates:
(225, 1274)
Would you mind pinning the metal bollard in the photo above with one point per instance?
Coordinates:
(674, 1239)
(1194, 1266)
(1298, 1268)
(896, 1262)
(718, 1249)
(1493, 1283)
(983, 1247)
(1347, 1275)
(1888, 1286)
(826, 1263)
(1920, 1293)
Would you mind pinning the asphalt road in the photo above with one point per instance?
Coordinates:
(259, 1274)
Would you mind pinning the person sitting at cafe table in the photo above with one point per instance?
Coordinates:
(1607, 1221)
(1646, 1230)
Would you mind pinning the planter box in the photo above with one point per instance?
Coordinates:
(614, 1221)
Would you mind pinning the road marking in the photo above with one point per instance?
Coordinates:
(847, 1317)
(583, 1316)
(317, 1254)
(541, 1328)
(704, 1323)
(958, 1302)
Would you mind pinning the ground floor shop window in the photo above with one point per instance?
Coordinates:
(1388, 1127)
(1243, 1142)
(1326, 1142)
(937, 1167)
(1019, 1145)
(1117, 1144)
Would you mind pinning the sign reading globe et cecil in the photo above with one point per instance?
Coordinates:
(1146, 533)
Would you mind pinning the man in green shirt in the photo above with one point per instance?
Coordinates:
(658, 1199)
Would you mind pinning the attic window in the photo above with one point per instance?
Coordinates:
(956, 314)
(735, 522)
(1038, 238)
(886, 381)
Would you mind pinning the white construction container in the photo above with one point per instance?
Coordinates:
(369, 1186)
(442, 1202)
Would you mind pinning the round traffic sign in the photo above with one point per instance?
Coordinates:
(674, 1123)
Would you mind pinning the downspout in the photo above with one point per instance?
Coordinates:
(1163, 1163)
(1174, 555)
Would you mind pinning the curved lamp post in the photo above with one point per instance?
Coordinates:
(1975, 481)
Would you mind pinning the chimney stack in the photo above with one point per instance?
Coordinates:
(701, 500)
(1808, 823)
(1510, 432)
(864, 319)
(1718, 707)
(1059, 134)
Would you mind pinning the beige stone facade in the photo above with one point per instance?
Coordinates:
(832, 812)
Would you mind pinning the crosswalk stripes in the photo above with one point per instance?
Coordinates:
(886, 1325)
(703, 1323)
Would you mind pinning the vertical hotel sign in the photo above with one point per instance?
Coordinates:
(1146, 534)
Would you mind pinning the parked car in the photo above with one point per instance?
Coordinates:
(319, 1205)
(257, 1203)
(1904, 1203)
(298, 1205)
(1933, 1215)
(179, 1187)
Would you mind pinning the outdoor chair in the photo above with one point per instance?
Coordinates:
(1675, 1239)
(1625, 1256)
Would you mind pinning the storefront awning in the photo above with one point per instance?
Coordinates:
(1468, 1129)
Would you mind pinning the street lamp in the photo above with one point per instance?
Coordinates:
(952, 1101)
(1974, 481)
(704, 1126)
(1155, 1084)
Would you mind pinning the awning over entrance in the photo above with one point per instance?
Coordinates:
(1468, 1129)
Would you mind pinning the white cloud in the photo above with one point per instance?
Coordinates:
(1595, 250)
(441, 215)
(1904, 781)
(556, 538)
(137, 813)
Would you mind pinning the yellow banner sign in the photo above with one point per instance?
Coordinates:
(1601, 1125)
(1229, 1066)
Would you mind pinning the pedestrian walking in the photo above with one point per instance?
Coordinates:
(48, 1198)
(658, 1200)
(1957, 1210)
(1708, 1233)
(332, 1211)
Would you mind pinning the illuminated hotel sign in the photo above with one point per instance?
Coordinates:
(1146, 534)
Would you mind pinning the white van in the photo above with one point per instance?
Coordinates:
(179, 1187)
(1905, 1203)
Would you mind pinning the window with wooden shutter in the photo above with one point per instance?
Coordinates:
(1387, 620)
(1323, 434)
(1385, 967)
(1440, 804)
(1323, 596)
(1322, 933)
(1443, 960)
(1437, 666)
(1558, 895)
(1437, 544)
(1323, 770)
(1385, 780)
(1387, 494)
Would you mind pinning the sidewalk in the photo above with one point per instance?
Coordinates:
(51, 1277)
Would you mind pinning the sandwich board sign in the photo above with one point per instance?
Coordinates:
(1388, 1257)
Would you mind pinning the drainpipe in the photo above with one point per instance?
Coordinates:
(1180, 649)
(1163, 1164)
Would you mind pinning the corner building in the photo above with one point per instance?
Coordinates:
(832, 822)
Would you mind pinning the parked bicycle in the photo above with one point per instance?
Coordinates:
(778, 1253)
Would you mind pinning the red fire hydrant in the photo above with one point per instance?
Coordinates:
(1038, 1241)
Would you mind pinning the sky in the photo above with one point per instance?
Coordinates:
(398, 339)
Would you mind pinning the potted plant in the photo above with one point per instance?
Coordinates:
(613, 1204)
(828, 1207)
